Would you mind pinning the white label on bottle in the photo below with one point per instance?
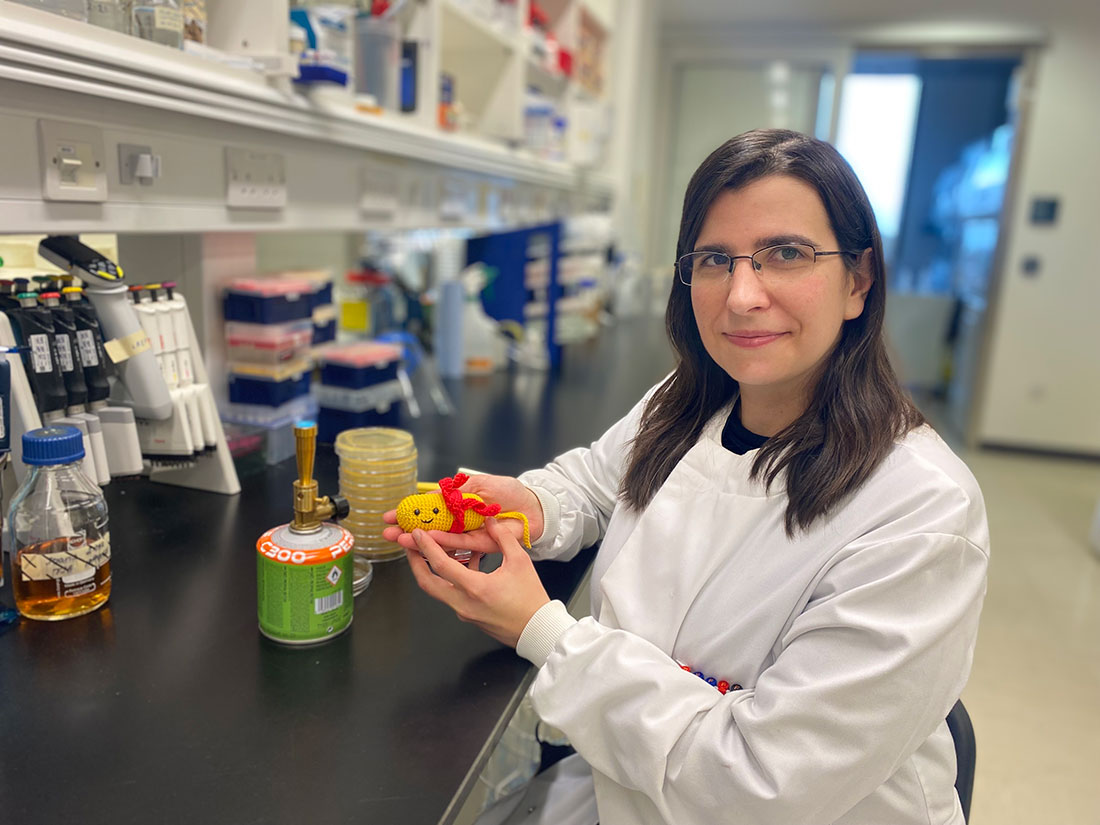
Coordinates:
(64, 352)
(85, 342)
(96, 552)
(72, 566)
(41, 359)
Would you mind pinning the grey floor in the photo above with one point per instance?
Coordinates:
(1034, 693)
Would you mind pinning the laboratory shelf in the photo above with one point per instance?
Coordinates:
(191, 111)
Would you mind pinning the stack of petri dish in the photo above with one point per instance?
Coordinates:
(377, 470)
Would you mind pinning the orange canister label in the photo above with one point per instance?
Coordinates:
(279, 552)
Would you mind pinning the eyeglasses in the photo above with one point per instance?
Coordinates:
(779, 263)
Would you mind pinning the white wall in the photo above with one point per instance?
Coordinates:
(1042, 385)
(634, 112)
(714, 102)
(1041, 388)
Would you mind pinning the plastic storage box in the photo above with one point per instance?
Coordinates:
(324, 324)
(331, 422)
(321, 295)
(359, 365)
(276, 424)
(377, 397)
(258, 301)
(268, 343)
(269, 386)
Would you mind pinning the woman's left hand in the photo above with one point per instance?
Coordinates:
(499, 603)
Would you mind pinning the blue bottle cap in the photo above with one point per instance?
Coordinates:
(52, 445)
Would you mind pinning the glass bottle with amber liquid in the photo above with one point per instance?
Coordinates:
(57, 524)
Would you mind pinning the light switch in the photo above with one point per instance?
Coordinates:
(137, 164)
(73, 161)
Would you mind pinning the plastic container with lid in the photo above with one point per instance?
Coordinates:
(110, 14)
(160, 21)
(377, 469)
(268, 343)
(275, 301)
(304, 406)
(73, 9)
(276, 423)
(271, 386)
(358, 365)
(58, 532)
(378, 397)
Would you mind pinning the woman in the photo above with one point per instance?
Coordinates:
(775, 517)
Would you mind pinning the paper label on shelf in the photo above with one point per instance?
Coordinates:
(119, 349)
(41, 360)
(168, 18)
(85, 342)
(64, 352)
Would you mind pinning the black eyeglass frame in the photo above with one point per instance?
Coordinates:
(751, 258)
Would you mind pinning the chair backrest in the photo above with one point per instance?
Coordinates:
(962, 731)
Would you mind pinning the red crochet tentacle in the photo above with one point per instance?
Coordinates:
(485, 509)
(454, 502)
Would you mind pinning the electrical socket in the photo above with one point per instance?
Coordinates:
(255, 180)
(74, 165)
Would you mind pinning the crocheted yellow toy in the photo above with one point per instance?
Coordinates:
(451, 510)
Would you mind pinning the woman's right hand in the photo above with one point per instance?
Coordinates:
(512, 496)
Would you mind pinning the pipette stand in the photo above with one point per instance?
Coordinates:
(213, 472)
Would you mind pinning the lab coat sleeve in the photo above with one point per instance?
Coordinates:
(862, 676)
(579, 489)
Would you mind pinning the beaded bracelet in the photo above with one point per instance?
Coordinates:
(722, 685)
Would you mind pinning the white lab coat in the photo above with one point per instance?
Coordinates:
(852, 641)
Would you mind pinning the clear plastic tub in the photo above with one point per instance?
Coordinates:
(379, 397)
(268, 343)
(304, 406)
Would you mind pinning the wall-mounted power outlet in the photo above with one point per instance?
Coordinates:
(74, 165)
(255, 180)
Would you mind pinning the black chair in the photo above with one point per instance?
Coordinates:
(962, 731)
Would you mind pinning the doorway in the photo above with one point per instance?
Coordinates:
(940, 210)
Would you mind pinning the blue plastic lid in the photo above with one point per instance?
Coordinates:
(52, 445)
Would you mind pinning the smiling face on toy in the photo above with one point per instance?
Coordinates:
(426, 511)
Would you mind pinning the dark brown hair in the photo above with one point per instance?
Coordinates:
(856, 411)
